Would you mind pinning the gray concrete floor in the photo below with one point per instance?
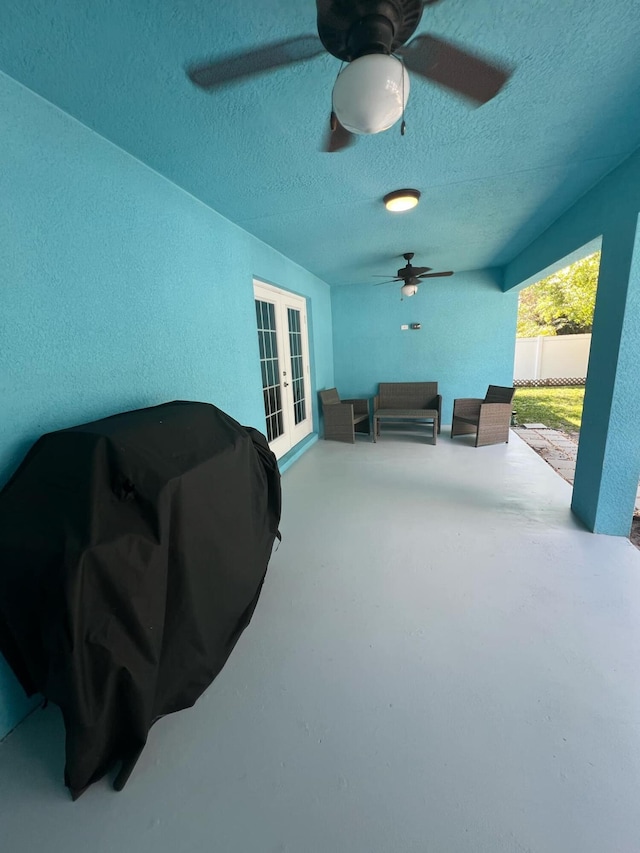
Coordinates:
(560, 451)
(442, 661)
(557, 449)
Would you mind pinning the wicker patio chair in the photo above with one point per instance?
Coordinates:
(488, 418)
(409, 395)
(343, 418)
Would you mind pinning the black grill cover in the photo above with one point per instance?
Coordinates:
(132, 554)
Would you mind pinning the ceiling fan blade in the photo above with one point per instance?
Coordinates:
(338, 137)
(436, 274)
(384, 276)
(418, 271)
(235, 66)
(392, 281)
(449, 66)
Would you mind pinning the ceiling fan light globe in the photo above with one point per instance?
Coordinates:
(409, 289)
(369, 95)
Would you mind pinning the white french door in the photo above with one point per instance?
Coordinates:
(284, 362)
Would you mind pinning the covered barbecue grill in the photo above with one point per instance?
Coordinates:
(132, 554)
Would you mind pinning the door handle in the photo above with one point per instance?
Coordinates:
(286, 384)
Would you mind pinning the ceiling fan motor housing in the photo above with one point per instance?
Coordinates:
(407, 271)
(352, 28)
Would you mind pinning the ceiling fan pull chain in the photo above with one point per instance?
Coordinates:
(333, 121)
(403, 126)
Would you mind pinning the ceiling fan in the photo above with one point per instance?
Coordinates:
(411, 276)
(371, 37)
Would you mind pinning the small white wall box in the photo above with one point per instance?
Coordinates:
(404, 328)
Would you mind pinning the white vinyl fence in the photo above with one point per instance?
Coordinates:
(552, 357)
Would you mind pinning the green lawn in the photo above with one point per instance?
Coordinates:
(558, 408)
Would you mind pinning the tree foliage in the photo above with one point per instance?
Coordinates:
(561, 304)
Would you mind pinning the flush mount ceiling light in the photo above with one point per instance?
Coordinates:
(400, 200)
(370, 93)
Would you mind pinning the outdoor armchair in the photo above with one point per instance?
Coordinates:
(343, 418)
(488, 418)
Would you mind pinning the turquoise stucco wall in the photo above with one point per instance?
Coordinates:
(608, 463)
(120, 290)
(466, 342)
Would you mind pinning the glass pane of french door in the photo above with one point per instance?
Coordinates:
(270, 367)
(297, 366)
